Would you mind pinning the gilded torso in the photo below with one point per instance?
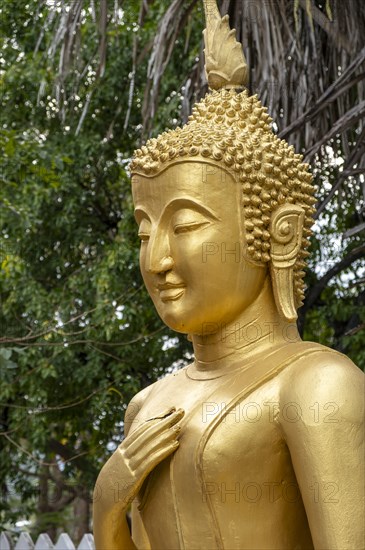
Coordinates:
(231, 483)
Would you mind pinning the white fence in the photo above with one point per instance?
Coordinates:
(43, 542)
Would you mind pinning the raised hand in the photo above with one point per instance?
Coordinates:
(142, 450)
(150, 443)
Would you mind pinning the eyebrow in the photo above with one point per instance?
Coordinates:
(140, 213)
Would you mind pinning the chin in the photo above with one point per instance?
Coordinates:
(175, 319)
(181, 317)
(174, 323)
(189, 324)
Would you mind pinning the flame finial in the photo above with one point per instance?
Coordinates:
(225, 63)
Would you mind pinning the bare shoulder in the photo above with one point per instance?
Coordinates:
(141, 397)
(135, 405)
(325, 379)
(321, 418)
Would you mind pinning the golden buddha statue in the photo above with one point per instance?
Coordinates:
(258, 444)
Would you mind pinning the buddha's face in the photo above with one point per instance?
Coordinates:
(192, 247)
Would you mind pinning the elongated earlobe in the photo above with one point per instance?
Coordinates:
(286, 237)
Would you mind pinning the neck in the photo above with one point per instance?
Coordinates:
(255, 331)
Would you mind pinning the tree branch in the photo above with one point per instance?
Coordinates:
(317, 289)
(349, 118)
(325, 98)
(68, 455)
(352, 159)
(340, 40)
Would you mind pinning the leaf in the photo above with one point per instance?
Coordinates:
(9, 147)
(329, 10)
(5, 353)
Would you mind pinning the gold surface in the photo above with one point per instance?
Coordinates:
(259, 443)
(230, 131)
(225, 66)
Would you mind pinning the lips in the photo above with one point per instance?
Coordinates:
(170, 292)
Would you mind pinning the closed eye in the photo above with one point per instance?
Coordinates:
(187, 227)
(144, 237)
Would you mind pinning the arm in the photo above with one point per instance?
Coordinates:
(103, 534)
(122, 476)
(326, 443)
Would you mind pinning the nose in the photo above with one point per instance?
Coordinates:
(158, 258)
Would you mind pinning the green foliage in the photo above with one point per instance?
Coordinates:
(337, 318)
(72, 297)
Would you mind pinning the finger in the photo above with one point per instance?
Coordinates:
(151, 429)
(162, 415)
(154, 459)
(154, 446)
(146, 424)
(152, 432)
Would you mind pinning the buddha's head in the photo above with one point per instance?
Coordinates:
(222, 180)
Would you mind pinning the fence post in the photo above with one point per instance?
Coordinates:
(64, 543)
(87, 542)
(24, 542)
(44, 542)
(6, 542)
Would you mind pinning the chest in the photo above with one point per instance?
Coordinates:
(222, 426)
(231, 463)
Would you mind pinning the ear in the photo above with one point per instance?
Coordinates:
(286, 230)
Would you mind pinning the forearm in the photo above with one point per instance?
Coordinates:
(111, 531)
(111, 502)
(122, 476)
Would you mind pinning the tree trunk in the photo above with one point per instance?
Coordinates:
(81, 508)
(44, 507)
